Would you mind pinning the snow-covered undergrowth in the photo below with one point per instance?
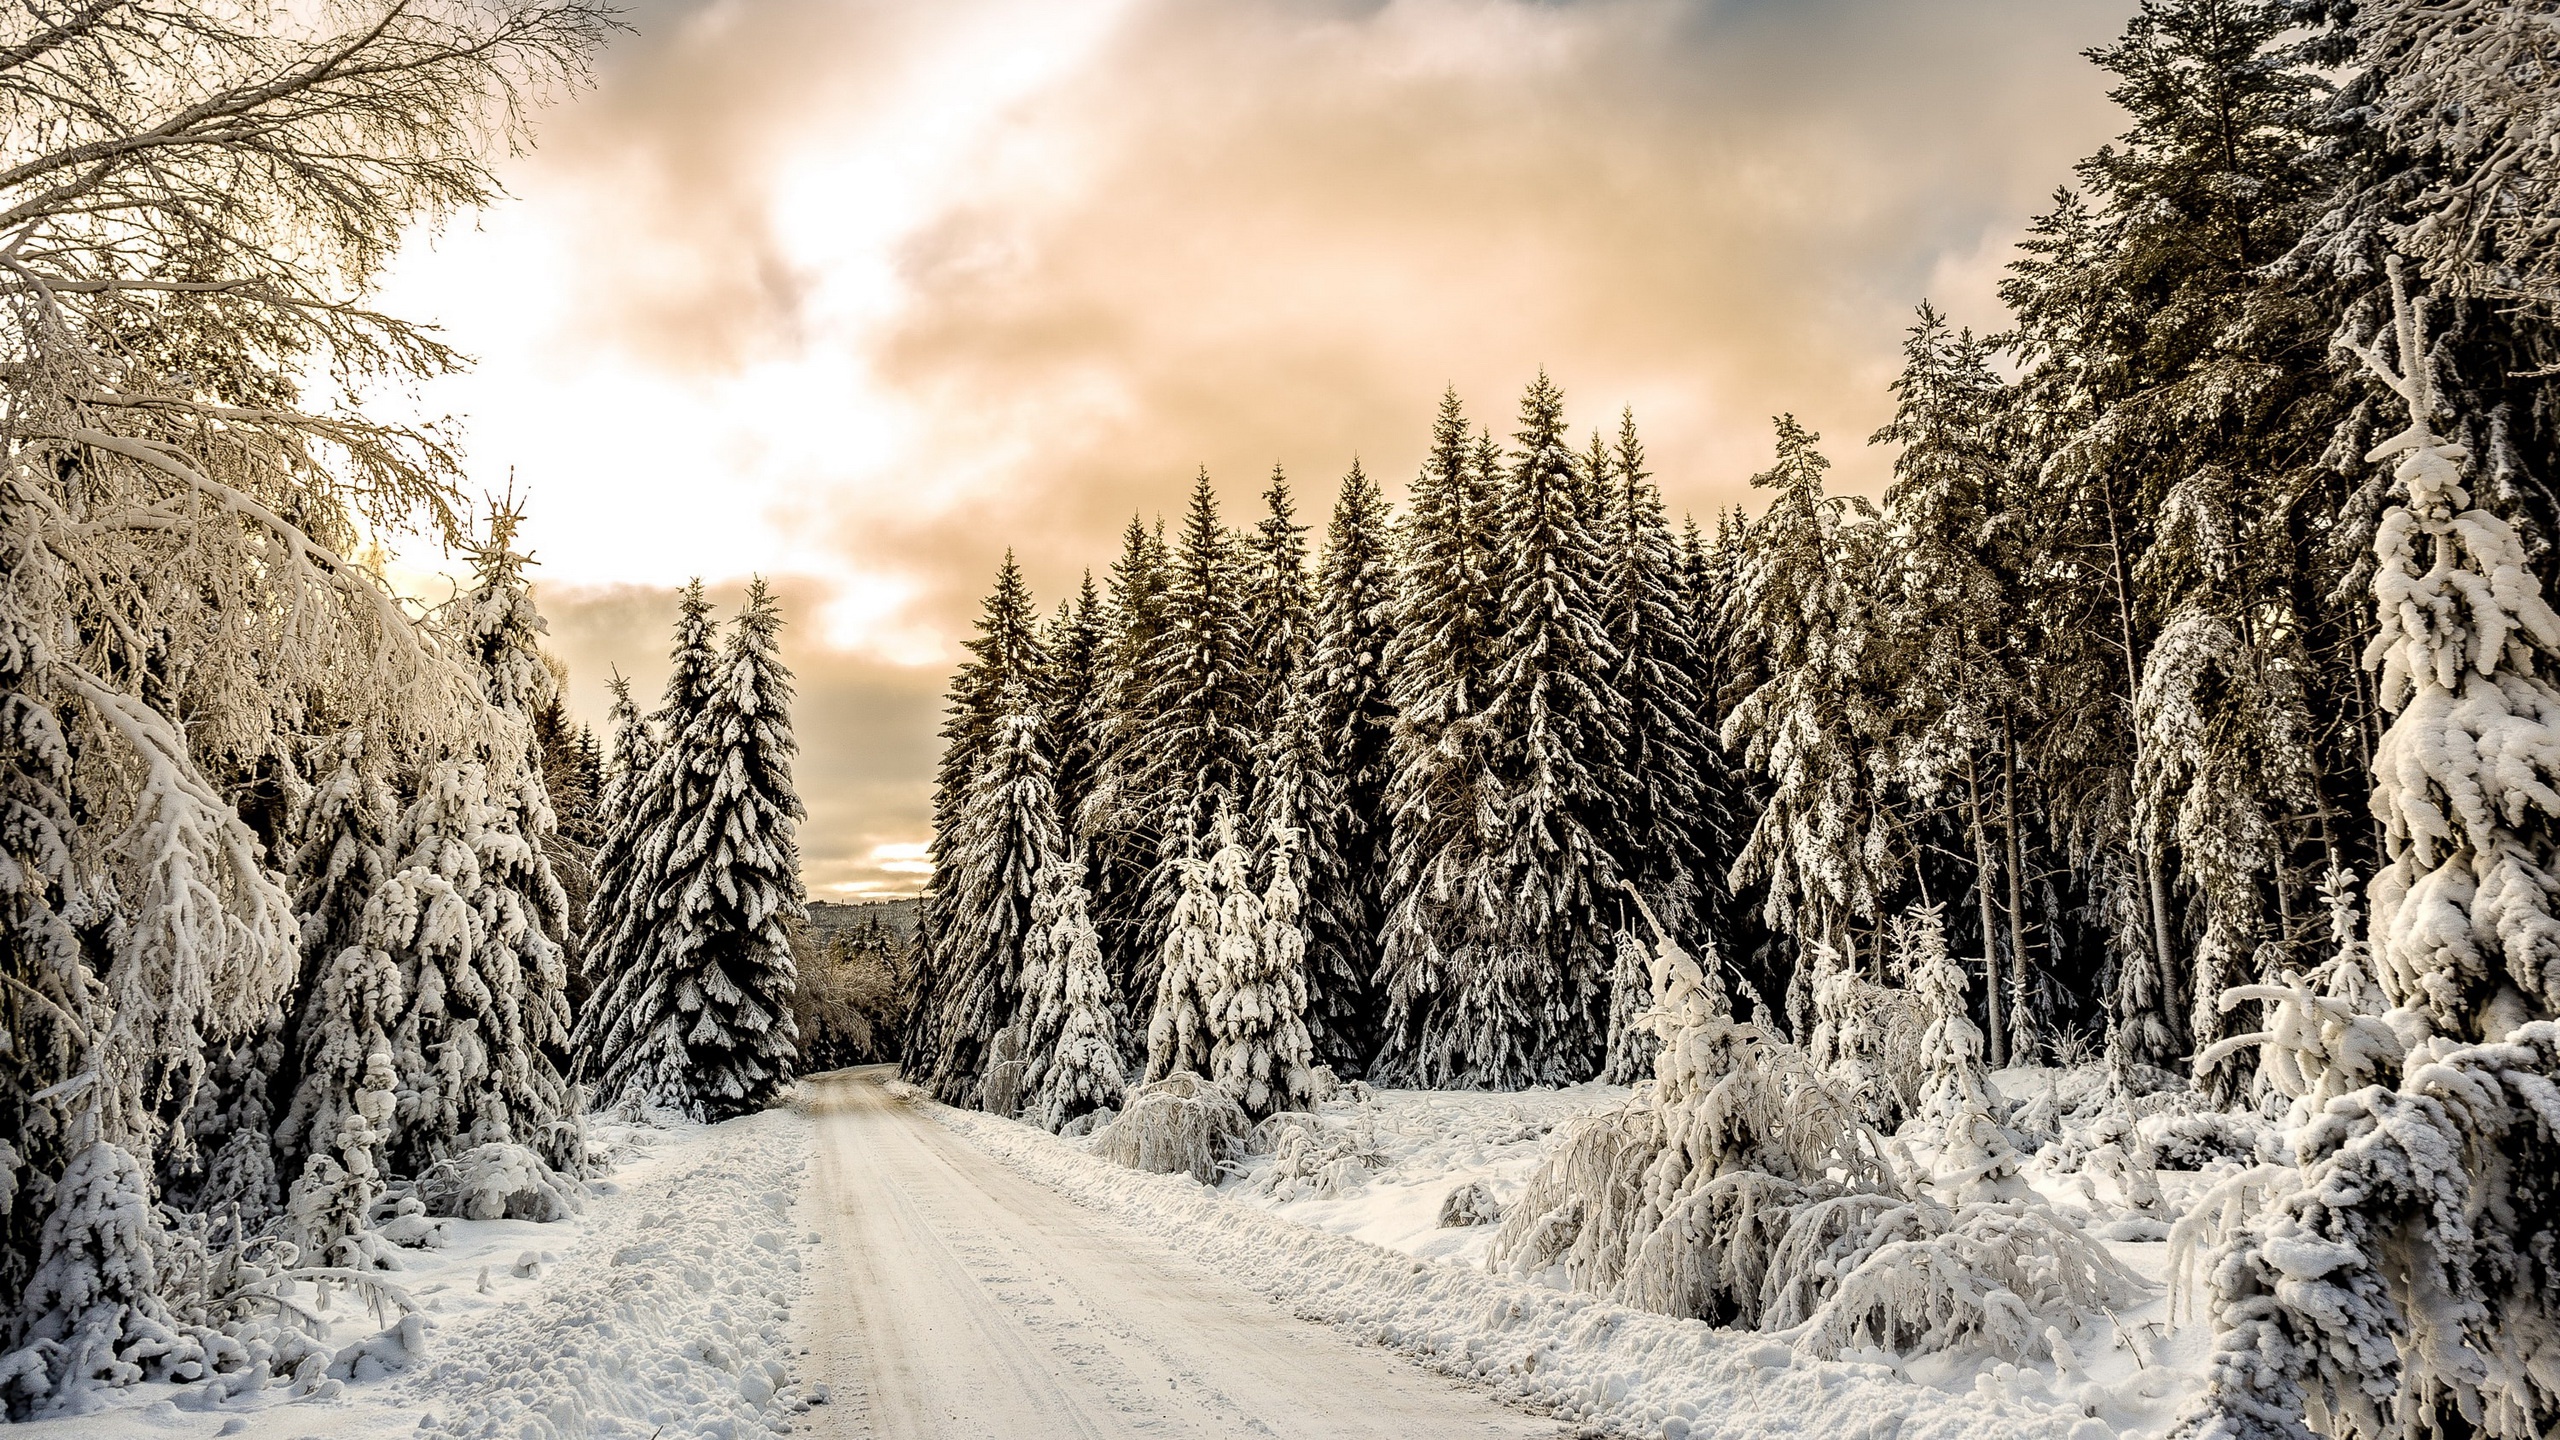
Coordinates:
(661, 1309)
(1339, 1220)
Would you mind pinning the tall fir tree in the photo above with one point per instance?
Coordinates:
(729, 887)
(1820, 846)
(1115, 823)
(1351, 700)
(1442, 911)
(621, 889)
(1077, 642)
(1195, 746)
(1279, 600)
(631, 1002)
(1665, 811)
(1555, 723)
(472, 916)
(1009, 837)
(1007, 665)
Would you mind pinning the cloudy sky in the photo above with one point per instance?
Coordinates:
(856, 294)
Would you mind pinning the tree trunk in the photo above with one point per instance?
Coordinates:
(2017, 847)
(2155, 886)
(1982, 870)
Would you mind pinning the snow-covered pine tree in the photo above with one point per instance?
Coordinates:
(1005, 656)
(728, 885)
(1073, 1039)
(2226, 755)
(1355, 714)
(1716, 828)
(1954, 625)
(1077, 643)
(1632, 1043)
(502, 628)
(621, 888)
(1178, 1035)
(333, 1019)
(2399, 1282)
(1258, 1001)
(2467, 779)
(1974, 1159)
(1279, 604)
(1114, 823)
(1297, 794)
(1441, 911)
(1009, 837)
(465, 1042)
(1553, 722)
(1195, 743)
(627, 1043)
(1662, 795)
(1821, 842)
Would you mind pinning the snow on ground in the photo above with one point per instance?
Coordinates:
(664, 1310)
(1347, 1232)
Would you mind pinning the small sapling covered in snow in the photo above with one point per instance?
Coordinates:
(1179, 1125)
(1076, 1056)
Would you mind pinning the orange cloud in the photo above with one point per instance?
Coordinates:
(866, 293)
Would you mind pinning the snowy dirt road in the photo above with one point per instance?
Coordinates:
(952, 1297)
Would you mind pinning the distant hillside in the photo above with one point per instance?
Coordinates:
(827, 917)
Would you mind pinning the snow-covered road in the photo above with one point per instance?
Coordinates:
(952, 1297)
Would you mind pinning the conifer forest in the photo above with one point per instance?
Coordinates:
(2068, 945)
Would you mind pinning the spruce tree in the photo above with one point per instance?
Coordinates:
(1077, 644)
(1554, 723)
(1660, 779)
(1258, 1005)
(1820, 845)
(1299, 815)
(1178, 1035)
(348, 995)
(1279, 601)
(1073, 1040)
(729, 886)
(1006, 659)
(1194, 748)
(473, 915)
(1115, 823)
(1442, 909)
(1353, 712)
(1009, 837)
(633, 1050)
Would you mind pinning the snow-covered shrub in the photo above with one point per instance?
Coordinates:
(1916, 1276)
(96, 1306)
(498, 1181)
(2408, 1273)
(1179, 1125)
(1671, 1200)
(1470, 1204)
(1000, 1090)
(2202, 1139)
(1310, 1156)
(1737, 1188)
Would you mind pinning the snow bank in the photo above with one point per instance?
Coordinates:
(664, 1310)
(1611, 1368)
